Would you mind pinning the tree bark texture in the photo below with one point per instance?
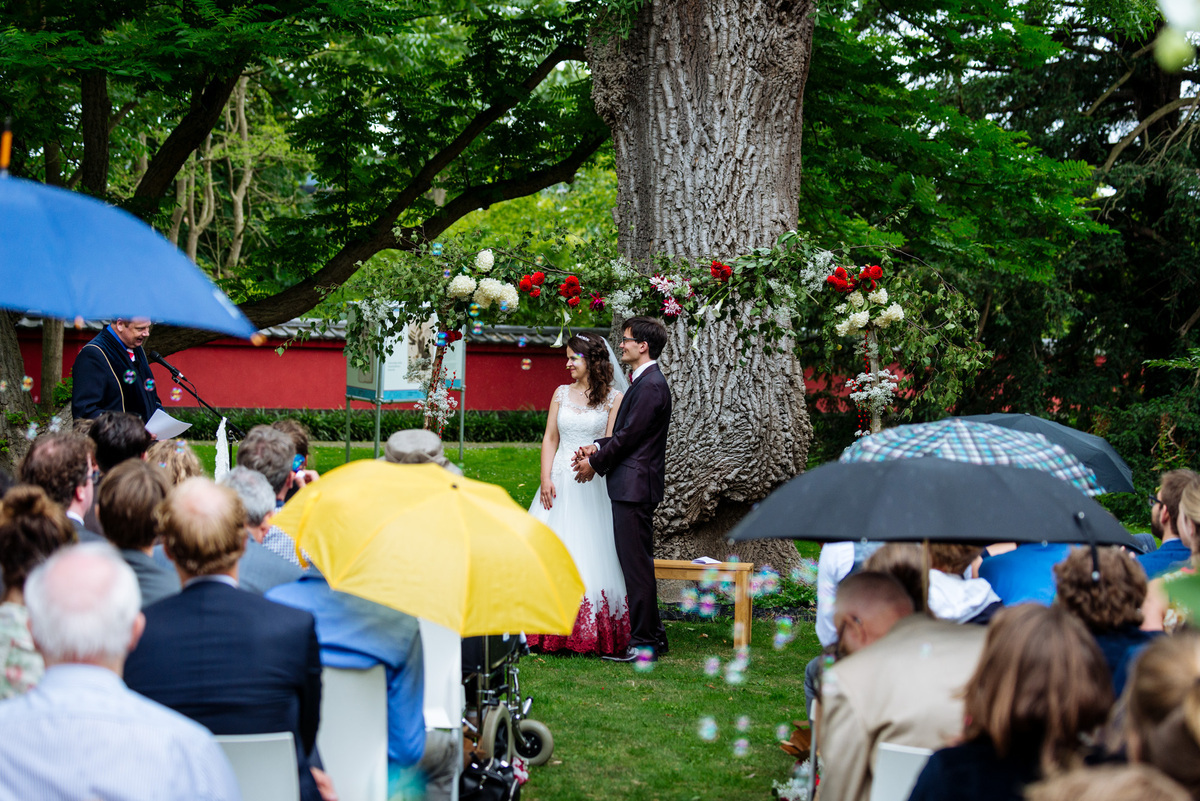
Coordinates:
(96, 109)
(704, 100)
(17, 404)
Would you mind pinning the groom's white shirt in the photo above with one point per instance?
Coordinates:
(640, 370)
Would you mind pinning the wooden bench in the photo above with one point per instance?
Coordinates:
(736, 572)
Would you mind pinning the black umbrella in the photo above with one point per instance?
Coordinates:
(910, 500)
(1095, 452)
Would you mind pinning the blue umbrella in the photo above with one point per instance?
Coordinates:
(1095, 452)
(65, 255)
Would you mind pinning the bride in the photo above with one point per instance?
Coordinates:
(581, 514)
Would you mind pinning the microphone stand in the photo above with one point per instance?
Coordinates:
(190, 389)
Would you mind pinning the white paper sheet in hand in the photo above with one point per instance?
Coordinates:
(164, 426)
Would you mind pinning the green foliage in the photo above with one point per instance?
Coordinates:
(330, 424)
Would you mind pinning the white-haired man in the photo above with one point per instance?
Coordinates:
(81, 733)
(259, 569)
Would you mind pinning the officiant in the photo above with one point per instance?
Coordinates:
(111, 373)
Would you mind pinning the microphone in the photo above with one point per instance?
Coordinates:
(154, 357)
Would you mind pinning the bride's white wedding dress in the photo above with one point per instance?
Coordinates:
(582, 518)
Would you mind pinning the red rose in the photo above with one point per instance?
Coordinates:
(875, 271)
(533, 293)
(573, 302)
(720, 271)
(526, 283)
(571, 281)
(538, 278)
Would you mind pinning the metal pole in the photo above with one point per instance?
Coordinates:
(462, 400)
(347, 428)
(378, 414)
(378, 399)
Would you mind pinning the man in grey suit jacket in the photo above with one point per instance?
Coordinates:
(259, 569)
(125, 505)
(899, 682)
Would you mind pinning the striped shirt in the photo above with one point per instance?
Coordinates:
(81, 733)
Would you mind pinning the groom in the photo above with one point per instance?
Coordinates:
(633, 460)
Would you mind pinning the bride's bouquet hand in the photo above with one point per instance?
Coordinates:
(548, 494)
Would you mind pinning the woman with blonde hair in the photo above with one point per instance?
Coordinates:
(1162, 721)
(177, 458)
(1040, 684)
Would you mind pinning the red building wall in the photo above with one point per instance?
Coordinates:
(230, 373)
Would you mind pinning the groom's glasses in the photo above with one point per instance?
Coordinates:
(631, 339)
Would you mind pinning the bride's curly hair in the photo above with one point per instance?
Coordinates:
(599, 371)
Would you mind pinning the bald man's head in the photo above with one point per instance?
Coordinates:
(868, 605)
(202, 526)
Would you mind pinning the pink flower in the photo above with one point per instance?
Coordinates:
(671, 308)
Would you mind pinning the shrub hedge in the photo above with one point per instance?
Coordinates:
(330, 424)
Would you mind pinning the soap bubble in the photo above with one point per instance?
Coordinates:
(441, 339)
(26, 383)
(782, 732)
(645, 660)
(446, 273)
(689, 599)
(526, 364)
(741, 747)
(743, 723)
(437, 248)
(55, 424)
(176, 394)
(477, 328)
(504, 306)
(708, 605)
(712, 666)
(473, 310)
(180, 445)
(708, 578)
(522, 341)
(708, 729)
(3, 386)
(130, 376)
(31, 432)
(149, 384)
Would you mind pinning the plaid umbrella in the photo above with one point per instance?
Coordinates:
(958, 440)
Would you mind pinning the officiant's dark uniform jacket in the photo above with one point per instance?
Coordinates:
(633, 462)
(235, 663)
(98, 380)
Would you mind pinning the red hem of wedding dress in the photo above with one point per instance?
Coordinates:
(599, 633)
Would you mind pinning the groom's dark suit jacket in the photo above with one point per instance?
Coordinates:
(633, 460)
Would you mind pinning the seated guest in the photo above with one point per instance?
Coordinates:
(1110, 606)
(1025, 573)
(1160, 610)
(300, 467)
(176, 459)
(952, 594)
(125, 505)
(225, 657)
(1108, 783)
(357, 634)
(118, 436)
(418, 446)
(1040, 685)
(62, 465)
(81, 733)
(899, 682)
(1162, 724)
(271, 453)
(258, 570)
(31, 528)
(1164, 523)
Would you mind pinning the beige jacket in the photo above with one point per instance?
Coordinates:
(900, 689)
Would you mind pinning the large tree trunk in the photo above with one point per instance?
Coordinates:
(704, 101)
(17, 404)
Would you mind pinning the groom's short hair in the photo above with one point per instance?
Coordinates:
(650, 331)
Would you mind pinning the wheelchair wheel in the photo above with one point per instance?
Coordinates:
(534, 742)
(495, 737)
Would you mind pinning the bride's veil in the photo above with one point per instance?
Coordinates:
(620, 382)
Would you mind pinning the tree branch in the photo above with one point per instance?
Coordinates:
(1174, 105)
(164, 166)
(305, 295)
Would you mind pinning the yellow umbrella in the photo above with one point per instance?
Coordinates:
(436, 545)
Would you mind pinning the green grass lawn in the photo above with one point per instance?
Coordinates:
(623, 734)
(515, 469)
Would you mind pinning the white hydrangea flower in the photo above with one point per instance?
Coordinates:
(856, 299)
(489, 291)
(484, 261)
(842, 328)
(892, 314)
(461, 287)
(879, 296)
(840, 308)
(509, 298)
(622, 268)
(859, 320)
